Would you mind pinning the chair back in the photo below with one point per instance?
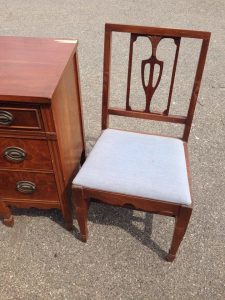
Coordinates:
(154, 35)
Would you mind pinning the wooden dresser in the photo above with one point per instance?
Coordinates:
(41, 130)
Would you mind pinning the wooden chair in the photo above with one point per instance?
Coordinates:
(145, 172)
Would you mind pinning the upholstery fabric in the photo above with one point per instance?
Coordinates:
(139, 165)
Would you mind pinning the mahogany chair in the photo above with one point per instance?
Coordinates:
(145, 172)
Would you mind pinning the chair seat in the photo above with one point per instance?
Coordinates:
(137, 164)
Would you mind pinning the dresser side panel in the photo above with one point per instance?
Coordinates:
(66, 114)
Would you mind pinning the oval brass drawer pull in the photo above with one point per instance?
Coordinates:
(14, 154)
(26, 187)
(6, 118)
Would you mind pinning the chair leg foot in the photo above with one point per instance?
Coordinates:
(181, 225)
(83, 238)
(8, 222)
(170, 257)
(81, 207)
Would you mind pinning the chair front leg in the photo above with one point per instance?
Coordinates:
(81, 206)
(181, 224)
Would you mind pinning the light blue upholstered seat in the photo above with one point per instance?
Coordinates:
(137, 164)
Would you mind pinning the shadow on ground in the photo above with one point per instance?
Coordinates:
(108, 216)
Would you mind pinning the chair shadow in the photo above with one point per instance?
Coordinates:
(105, 215)
(124, 218)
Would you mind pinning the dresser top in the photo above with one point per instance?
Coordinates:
(30, 68)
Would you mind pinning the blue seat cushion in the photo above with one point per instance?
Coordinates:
(142, 165)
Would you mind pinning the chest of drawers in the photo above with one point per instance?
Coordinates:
(41, 128)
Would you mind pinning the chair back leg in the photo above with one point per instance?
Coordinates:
(181, 224)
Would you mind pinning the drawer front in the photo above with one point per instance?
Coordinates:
(20, 118)
(21, 154)
(28, 186)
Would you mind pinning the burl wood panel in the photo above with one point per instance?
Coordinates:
(46, 189)
(23, 118)
(66, 112)
(31, 67)
(37, 155)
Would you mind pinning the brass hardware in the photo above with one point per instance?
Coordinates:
(26, 187)
(14, 154)
(6, 118)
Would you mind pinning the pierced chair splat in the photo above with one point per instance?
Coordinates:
(146, 172)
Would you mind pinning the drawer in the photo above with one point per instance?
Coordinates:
(21, 154)
(28, 186)
(20, 118)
